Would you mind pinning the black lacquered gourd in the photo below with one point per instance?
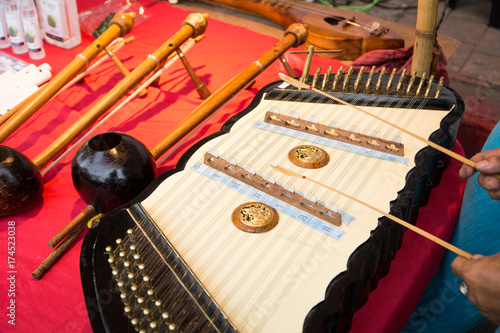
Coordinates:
(20, 182)
(110, 169)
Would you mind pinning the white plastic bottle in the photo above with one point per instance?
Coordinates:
(4, 34)
(12, 10)
(60, 22)
(32, 29)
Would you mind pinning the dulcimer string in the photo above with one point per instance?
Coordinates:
(430, 143)
(294, 36)
(190, 235)
(421, 232)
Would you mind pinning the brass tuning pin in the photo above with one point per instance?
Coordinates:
(401, 80)
(429, 86)
(370, 78)
(410, 84)
(359, 77)
(316, 77)
(439, 87)
(347, 78)
(326, 78)
(391, 79)
(380, 77)
(337, 77)
(421, 84)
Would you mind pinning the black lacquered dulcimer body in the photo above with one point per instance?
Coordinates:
(329, 28)
(225, 243)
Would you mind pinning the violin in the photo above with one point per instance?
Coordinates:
(355, 33)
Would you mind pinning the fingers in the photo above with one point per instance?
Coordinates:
(459, 265)
(491, 184)
(488, 164)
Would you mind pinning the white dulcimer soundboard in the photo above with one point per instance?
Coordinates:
(230, 244)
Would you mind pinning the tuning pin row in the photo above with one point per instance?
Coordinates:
(406, 85)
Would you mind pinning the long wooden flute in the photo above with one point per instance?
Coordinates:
(120, 25)
(194, 25)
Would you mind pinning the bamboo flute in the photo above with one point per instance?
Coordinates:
(194, 25)
(120, 25)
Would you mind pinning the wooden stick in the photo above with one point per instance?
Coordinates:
(123, 69)
(201, 88)
(120, 25)
(82, 217)
(392, 217)
(287, 66)
(58, 252)
(448, 152)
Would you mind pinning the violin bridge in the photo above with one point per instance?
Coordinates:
(335, 133)
(270, 187)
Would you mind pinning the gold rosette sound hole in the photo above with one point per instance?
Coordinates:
(309, 157)
(255, 217)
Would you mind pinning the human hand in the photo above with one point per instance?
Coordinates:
(488, 164)
(482, 276)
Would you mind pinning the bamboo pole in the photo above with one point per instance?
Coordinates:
(425, 36)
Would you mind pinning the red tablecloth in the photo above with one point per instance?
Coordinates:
(56, 302)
